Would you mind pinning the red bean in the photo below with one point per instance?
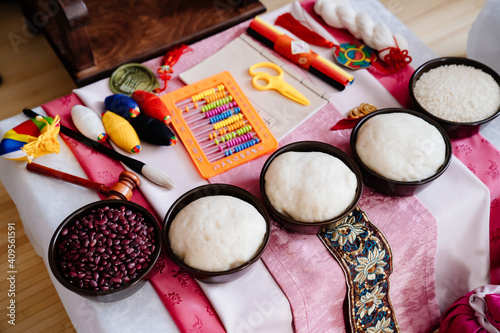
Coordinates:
(105, 249)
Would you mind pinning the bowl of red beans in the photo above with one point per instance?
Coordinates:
(106, 250)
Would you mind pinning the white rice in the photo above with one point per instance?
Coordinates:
(458, 93)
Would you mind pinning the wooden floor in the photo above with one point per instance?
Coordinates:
(32, 75)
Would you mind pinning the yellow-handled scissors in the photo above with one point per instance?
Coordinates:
(275, 82)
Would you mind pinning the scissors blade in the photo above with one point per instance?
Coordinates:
(293, 94)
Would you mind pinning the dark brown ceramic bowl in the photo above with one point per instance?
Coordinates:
(388, 186)
(455, 130)
(310, 228)
(126, 289)
(213, 190)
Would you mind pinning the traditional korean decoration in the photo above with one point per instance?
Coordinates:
(31, 139)
(349, 55)
(392, 48)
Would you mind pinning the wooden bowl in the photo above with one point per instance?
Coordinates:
(310, 228)
(126, 289)
(213, 190)
(455, 130)
(392, 187)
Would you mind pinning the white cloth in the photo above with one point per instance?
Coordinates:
(460, 207)
(41, 217)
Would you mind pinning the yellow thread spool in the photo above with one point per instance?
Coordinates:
(121, 132)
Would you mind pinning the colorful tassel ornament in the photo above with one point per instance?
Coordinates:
(153, 131)
(152, 106)
(31, 139)
(122, 105)
(88, 123)
(121, 132)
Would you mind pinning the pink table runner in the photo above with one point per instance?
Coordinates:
(480, 156)
(181, 294)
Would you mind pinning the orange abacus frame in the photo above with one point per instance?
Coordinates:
(209, 168)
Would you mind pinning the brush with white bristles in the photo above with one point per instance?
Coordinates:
(150, 172)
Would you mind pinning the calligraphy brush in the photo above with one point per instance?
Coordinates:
(151, 173)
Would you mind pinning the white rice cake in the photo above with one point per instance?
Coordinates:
(401, 146)
(217, 233)
(310, 186)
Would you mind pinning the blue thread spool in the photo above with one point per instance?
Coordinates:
(122, 105)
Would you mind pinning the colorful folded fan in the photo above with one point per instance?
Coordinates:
(31, 139)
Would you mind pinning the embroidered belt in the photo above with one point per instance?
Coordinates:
(366, 259)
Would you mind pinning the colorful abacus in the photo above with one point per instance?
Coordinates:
(215, 112)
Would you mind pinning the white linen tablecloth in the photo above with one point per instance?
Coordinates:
(462, 215)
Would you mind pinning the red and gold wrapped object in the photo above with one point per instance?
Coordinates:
(295, 51)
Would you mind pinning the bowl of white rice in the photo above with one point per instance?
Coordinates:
(460, 94)
(308, 185)
(400, 151)
(216, 232)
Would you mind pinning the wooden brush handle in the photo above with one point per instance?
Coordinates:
(34, 167)
(122, 190)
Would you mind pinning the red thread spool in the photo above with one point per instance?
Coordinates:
(152, 106)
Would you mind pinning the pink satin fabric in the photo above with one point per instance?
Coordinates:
(476, 152)
(182, 296)
(495, 241)
(461, 317)
(483, 159)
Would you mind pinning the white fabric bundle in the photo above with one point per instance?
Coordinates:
(340, 14)
(88, 123)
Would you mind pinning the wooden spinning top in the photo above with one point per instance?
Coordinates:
(122, 190)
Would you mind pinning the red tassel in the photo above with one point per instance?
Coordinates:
(169, 60)
(396, 59)
(152, 106)
(291, 24)
(173, 55)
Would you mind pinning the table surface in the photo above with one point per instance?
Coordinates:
(32, 75)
